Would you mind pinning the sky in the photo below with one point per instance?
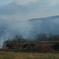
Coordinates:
(51, 2)
(29, 9)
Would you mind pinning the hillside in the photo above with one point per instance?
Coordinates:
(31, 27)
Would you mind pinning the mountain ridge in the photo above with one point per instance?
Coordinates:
(57, 16)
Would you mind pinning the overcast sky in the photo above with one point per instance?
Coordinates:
(35, 8)
(51, 2)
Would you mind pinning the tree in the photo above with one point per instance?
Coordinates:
(42, 37)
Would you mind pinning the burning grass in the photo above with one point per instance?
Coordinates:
(22, 55)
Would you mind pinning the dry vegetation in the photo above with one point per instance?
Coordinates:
(19, 55)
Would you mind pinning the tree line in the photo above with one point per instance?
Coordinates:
(38, 37)
(47, 37)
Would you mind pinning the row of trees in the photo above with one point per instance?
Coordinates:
(47, 37)
(39, 37)
(17, 41)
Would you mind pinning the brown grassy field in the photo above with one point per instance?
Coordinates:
(19, 55)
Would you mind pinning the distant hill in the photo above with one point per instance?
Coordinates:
(32, 26)
(28, 29)
(46, 25)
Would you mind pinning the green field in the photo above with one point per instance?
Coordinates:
(20, 55)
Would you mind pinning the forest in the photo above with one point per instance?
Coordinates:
(42, 43)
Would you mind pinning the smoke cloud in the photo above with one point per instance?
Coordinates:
(28, 29)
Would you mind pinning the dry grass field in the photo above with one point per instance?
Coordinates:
(19, 55)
